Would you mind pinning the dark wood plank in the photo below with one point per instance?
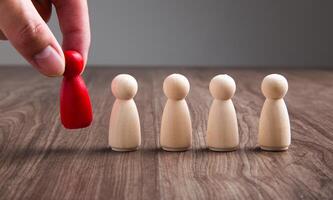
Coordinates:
(39, 159)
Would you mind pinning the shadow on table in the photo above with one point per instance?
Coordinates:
(21, 154)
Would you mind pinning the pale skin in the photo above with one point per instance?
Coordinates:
(24, 27)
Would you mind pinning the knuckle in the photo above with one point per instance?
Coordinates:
(29, 33)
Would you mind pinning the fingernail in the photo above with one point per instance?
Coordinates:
(49, 62)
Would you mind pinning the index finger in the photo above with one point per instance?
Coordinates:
(74, 24)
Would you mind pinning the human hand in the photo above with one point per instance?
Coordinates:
(22, 23)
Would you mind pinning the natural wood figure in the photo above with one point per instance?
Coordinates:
(176, 127)
(124, 131)
(274, 125)
(222, 126)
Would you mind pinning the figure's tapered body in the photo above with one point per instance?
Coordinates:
(176, 127)
(274, 125)
(75, 105)
(124, 130)
(222, 126)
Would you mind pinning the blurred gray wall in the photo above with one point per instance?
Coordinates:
(206, 32)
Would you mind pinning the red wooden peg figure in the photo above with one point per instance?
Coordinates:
(75, 106)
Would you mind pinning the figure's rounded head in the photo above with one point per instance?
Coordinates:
(274, 86)
(222, 87)
(73, 63)
(176, 86)
(124, 86)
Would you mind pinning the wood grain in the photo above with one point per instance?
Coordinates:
(39, 159)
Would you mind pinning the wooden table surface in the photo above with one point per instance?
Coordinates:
(39, 159)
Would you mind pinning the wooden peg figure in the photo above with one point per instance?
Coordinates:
(274, 124)
(75, 105)
(176, 127)
(124, 131)
(222, 126)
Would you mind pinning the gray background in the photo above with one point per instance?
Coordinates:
(206, 32)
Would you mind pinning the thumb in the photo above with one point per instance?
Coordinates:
(29, 34)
